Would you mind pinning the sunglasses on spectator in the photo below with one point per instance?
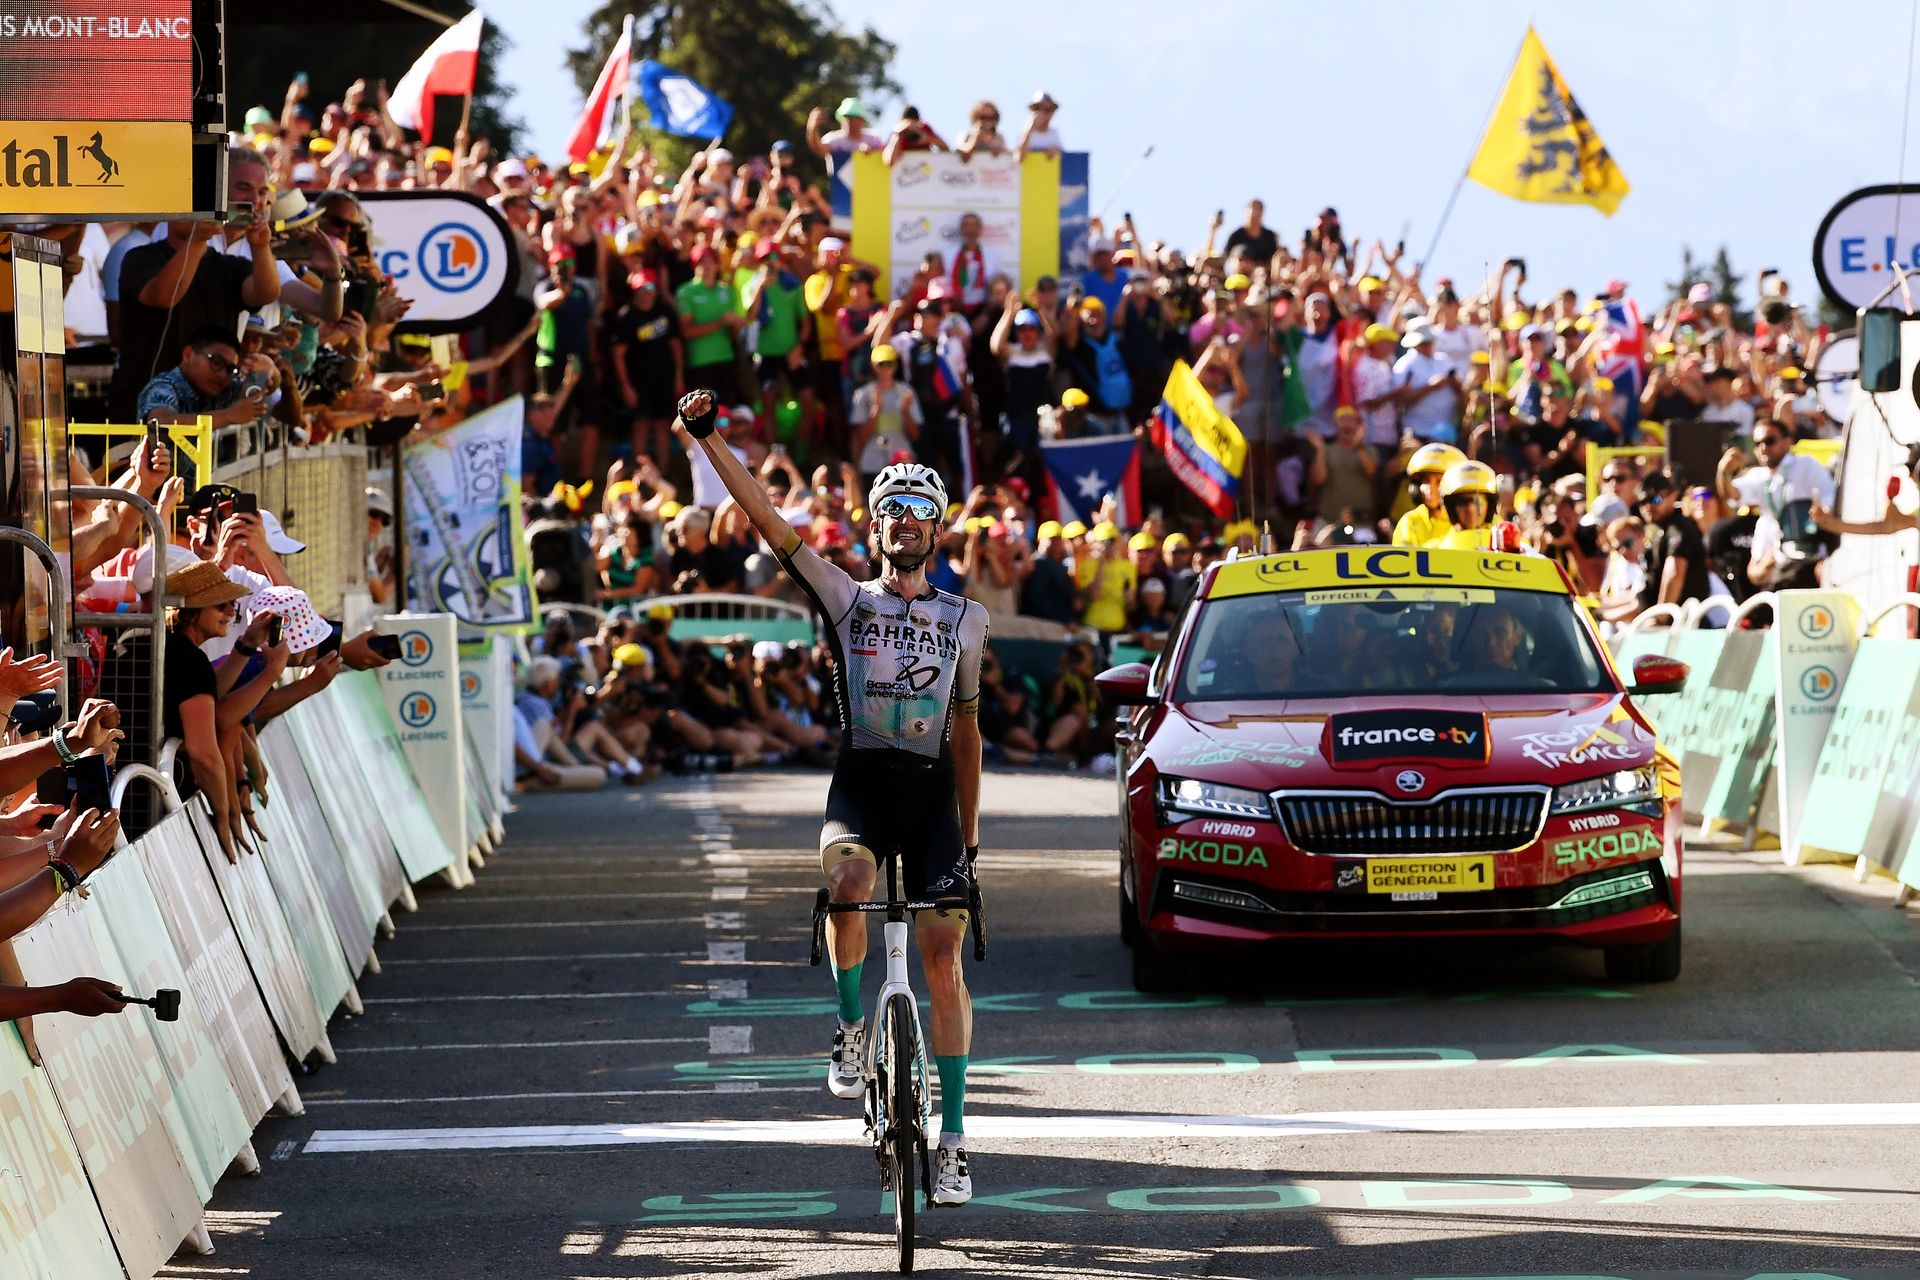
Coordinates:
(221, 364)
(1769, 439)
(908, 507)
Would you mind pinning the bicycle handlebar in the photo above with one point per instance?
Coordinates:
(824, 906)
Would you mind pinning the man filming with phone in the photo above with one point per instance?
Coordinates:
(907, 675)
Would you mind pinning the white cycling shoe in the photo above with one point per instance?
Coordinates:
(846, 1073)
(952, 1184)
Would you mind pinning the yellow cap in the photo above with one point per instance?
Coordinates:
(1791, 372)
(1092, 303)
(1497, 388)
(1073, 529)
(1380, 333)
(1371, 282)
(439, 155)
(1050, 529)
(663, 611)
(319, 146)
(1074, 398)
(1516, 320)
(620, 488)
(1239, 529)
(1141, 541)
(1583, 324)
(1603, 384)
(632, 655)
(1237, 282)
(669, 509)
(1482, 357)
(953, 509)
(885, 354)
(858, 515)
(1105, 531)
(1175, 542)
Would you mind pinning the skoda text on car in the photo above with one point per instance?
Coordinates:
(1394, 742)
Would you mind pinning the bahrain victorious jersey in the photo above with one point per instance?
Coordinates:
(899, 665)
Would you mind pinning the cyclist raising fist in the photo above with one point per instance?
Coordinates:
(907, 691)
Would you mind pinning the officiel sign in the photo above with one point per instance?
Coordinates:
(1862, 237)
(79, 168)
(448, 253)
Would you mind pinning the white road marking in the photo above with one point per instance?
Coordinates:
(471, 997)
(611, 895)
(708, 1091)
(727, 989)
(520, 1044)
(729, 1041)
(541, 924)
(726, 953)
(589, 955)
(726, 920)
(724, 858)
(729, 873)
(729, 893)
(1021, 1129)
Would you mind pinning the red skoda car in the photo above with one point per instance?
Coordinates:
(1394, 742)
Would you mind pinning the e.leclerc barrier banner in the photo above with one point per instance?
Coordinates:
(466, 547)
(1858, 755)
(1817, 632)
(422, 691)
(1735, 727)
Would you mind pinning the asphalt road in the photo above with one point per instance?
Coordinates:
(636, 959)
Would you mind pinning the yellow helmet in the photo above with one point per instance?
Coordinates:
(1468, 477)
(1433, 459)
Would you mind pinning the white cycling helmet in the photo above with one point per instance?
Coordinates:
(907, 478)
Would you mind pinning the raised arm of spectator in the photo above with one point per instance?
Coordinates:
(1002, 340)
(815, 119)
(284, 697)
(1214, 224)
(83, 839)
(1731, 464)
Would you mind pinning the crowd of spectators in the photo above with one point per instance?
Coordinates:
(1336, 357)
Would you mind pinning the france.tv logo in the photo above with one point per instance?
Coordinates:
(452, 257)
(417, 710)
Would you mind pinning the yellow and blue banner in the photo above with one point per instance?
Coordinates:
(1202, 445)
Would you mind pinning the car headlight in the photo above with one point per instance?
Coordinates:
(1187, 795)
(1608, 791)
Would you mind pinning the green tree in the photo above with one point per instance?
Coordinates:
(772, 59)
(1689, 273)
(261, 60)
(1726, 287)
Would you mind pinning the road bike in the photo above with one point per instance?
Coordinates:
(899, 1106)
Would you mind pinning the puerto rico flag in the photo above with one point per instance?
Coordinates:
(1082, 472)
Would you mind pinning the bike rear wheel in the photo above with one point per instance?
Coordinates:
(903, 1136)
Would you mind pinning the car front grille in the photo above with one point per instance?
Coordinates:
(1468, 820)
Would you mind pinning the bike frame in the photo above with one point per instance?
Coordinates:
(894, 932)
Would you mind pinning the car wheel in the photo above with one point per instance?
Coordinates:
(1129, 916)
(1154, 970)
(1646, 962)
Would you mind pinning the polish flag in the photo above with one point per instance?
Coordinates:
(446, 67)
(599, 121)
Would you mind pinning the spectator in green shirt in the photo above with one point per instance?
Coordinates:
(708, 319)
(776, 298)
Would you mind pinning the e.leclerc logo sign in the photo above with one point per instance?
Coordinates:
(1862, 237)
(448, 253)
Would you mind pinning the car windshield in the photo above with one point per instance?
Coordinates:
(1357, 641)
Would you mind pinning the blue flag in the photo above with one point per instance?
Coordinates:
(680, 104)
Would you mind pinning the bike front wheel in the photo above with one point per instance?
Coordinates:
(903, 1136)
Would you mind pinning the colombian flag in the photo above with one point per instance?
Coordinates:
(1202, 445)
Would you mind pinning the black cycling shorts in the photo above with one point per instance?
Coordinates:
(879, 803)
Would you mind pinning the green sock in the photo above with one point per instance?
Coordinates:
(847, 983)
(953, 1091)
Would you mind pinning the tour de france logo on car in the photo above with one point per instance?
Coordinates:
(453, 257)
(1817, 684)
(469, 686)
(417, 710)
(416, 647)
(1371, 737)
(1816, 623)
